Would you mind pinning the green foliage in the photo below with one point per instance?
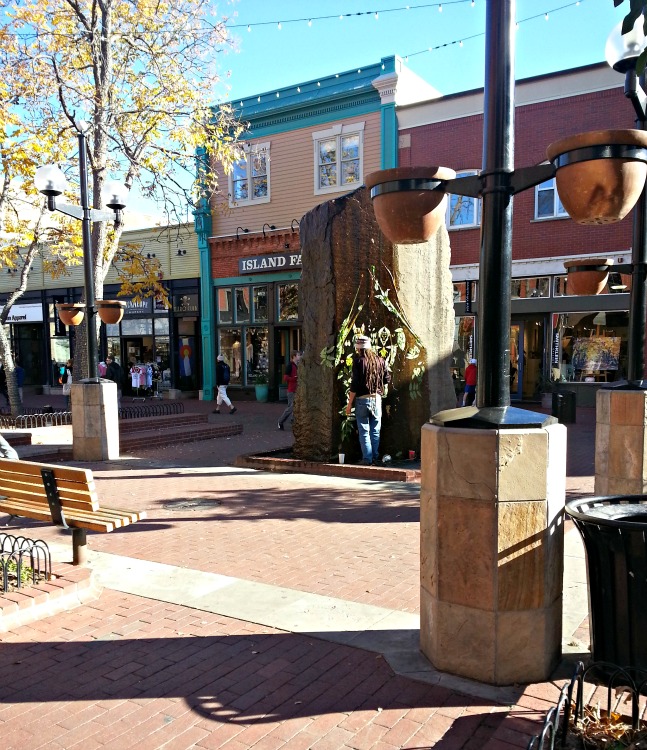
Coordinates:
(398, 345)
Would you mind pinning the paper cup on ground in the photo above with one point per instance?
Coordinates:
(342, 457)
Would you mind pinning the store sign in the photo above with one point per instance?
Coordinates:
(468, 296)
(25, 314)
(143, 307)
(556, 349)
(185, 303)
(261, 263)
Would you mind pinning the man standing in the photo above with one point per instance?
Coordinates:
(369, 378)
(115, 373)
(290, 378)
(222, 381)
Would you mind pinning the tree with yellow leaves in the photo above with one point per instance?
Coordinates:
(141, 74)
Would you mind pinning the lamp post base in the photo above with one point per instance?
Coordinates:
(95, 420)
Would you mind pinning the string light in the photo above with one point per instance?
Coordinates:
(377, 15)
(546, 16)
(279, 25)
(310, 22)
(249, 28)
(440, 8)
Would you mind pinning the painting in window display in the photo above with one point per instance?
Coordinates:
(593, 346)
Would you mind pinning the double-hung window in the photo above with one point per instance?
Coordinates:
(249, 181)
(338, 158)
(462, 210)
(547, 202)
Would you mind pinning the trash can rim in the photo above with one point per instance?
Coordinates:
(574, 510)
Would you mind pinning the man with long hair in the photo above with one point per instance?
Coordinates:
(370, 376)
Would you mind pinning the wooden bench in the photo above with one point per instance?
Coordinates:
(63, 495)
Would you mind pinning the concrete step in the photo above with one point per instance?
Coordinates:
(157, 423)
(15, 437)
(131, 442)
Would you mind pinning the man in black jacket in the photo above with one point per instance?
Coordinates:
(116, 374)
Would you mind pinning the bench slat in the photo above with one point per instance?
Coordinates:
(106, 519)
(32, 468)
(35, 493)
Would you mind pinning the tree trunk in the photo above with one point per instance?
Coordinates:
(10, 372)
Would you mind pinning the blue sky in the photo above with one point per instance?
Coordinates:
(270, 58)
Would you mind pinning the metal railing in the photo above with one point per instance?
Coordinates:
(22, 559)
(37, 417)
(162, 409)
(40, 419)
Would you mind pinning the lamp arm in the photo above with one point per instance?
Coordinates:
(636, 94)
(76, 212)
(521, 179)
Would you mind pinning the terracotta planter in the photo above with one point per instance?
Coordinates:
(110, 310)
(408, 203)
(587, 275)
(599, 190)
(71, 313)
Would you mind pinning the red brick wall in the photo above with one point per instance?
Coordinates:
(459, 143)
(225, 253)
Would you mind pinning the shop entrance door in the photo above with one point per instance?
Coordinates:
(527, 347)
(285, 341)
(131, 354)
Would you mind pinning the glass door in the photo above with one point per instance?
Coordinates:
(516, 361)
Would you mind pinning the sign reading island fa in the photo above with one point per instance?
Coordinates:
(261, 263)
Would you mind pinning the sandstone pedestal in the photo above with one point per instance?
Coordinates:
(492, 551)
(620, 442)
(95, 421)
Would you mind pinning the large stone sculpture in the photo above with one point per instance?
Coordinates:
(404, 292)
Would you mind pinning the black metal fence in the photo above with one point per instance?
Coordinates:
(23, 560)
(39, 419)
(45, 416)
(161, 409)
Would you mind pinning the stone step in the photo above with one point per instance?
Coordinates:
(153, 423)
(15, 438)
(132, 442)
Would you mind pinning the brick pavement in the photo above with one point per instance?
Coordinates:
(114, 674)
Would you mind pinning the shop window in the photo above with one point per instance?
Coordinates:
(257, 354)
(288, 301)
(225, 314)
(114, 349)
(259, 297)
(530, 288)
(616, 284)
(230, 346)
(137, 327)
(162, 326)
(547, 202)
(462, 210)
(460, 291)
(593, 346)
(462, 351)
(249, 181)
(242, 304)
(338, 157)
(112, 329)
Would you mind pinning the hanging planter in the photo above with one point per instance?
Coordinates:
(71, 313)
(409, 202)
(600, 174)
(587, 275)
(110, 310)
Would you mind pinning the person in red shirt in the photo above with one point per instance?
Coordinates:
(471, 373)
(290, 378)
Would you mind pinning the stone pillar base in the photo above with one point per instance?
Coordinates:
(95, 421)
(620, 444)
(492, 542)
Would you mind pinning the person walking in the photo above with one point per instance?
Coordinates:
(66, 381)
(223, 374)
(115, 373)
(471, 373)
(290, 378)
(369, 379)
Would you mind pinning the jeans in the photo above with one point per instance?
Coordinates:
(368, 412)
(288, 410)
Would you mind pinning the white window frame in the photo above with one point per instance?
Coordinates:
(558, 210)
(476, 201)
(251, 148)
(337, 131)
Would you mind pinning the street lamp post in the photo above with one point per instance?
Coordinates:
(51, 181)
(622, 52)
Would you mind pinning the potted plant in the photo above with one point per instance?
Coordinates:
(111, 310)
(600, 174)
(409, 202)
(587, 275)
(71, 313)
(261, 385)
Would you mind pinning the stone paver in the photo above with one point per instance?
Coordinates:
(129, 671)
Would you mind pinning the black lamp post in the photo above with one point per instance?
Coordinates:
(622, 52)
(51, 181)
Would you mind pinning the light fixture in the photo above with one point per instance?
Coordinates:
(240, 229)
(51, 182)
(294, 221)
(271, 226)
(622, 50)
(181, 251)
(151, 255)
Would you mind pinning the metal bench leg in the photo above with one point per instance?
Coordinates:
(79, 547)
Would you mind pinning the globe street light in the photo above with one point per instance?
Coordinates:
(51, 182)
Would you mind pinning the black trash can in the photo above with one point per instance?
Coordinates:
(48, 409)
(614, 533)
(564, 406)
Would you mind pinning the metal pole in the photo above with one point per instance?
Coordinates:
(496, 234)
(88, 269)
(638, 296)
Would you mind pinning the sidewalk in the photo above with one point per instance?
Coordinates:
(235, 634)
